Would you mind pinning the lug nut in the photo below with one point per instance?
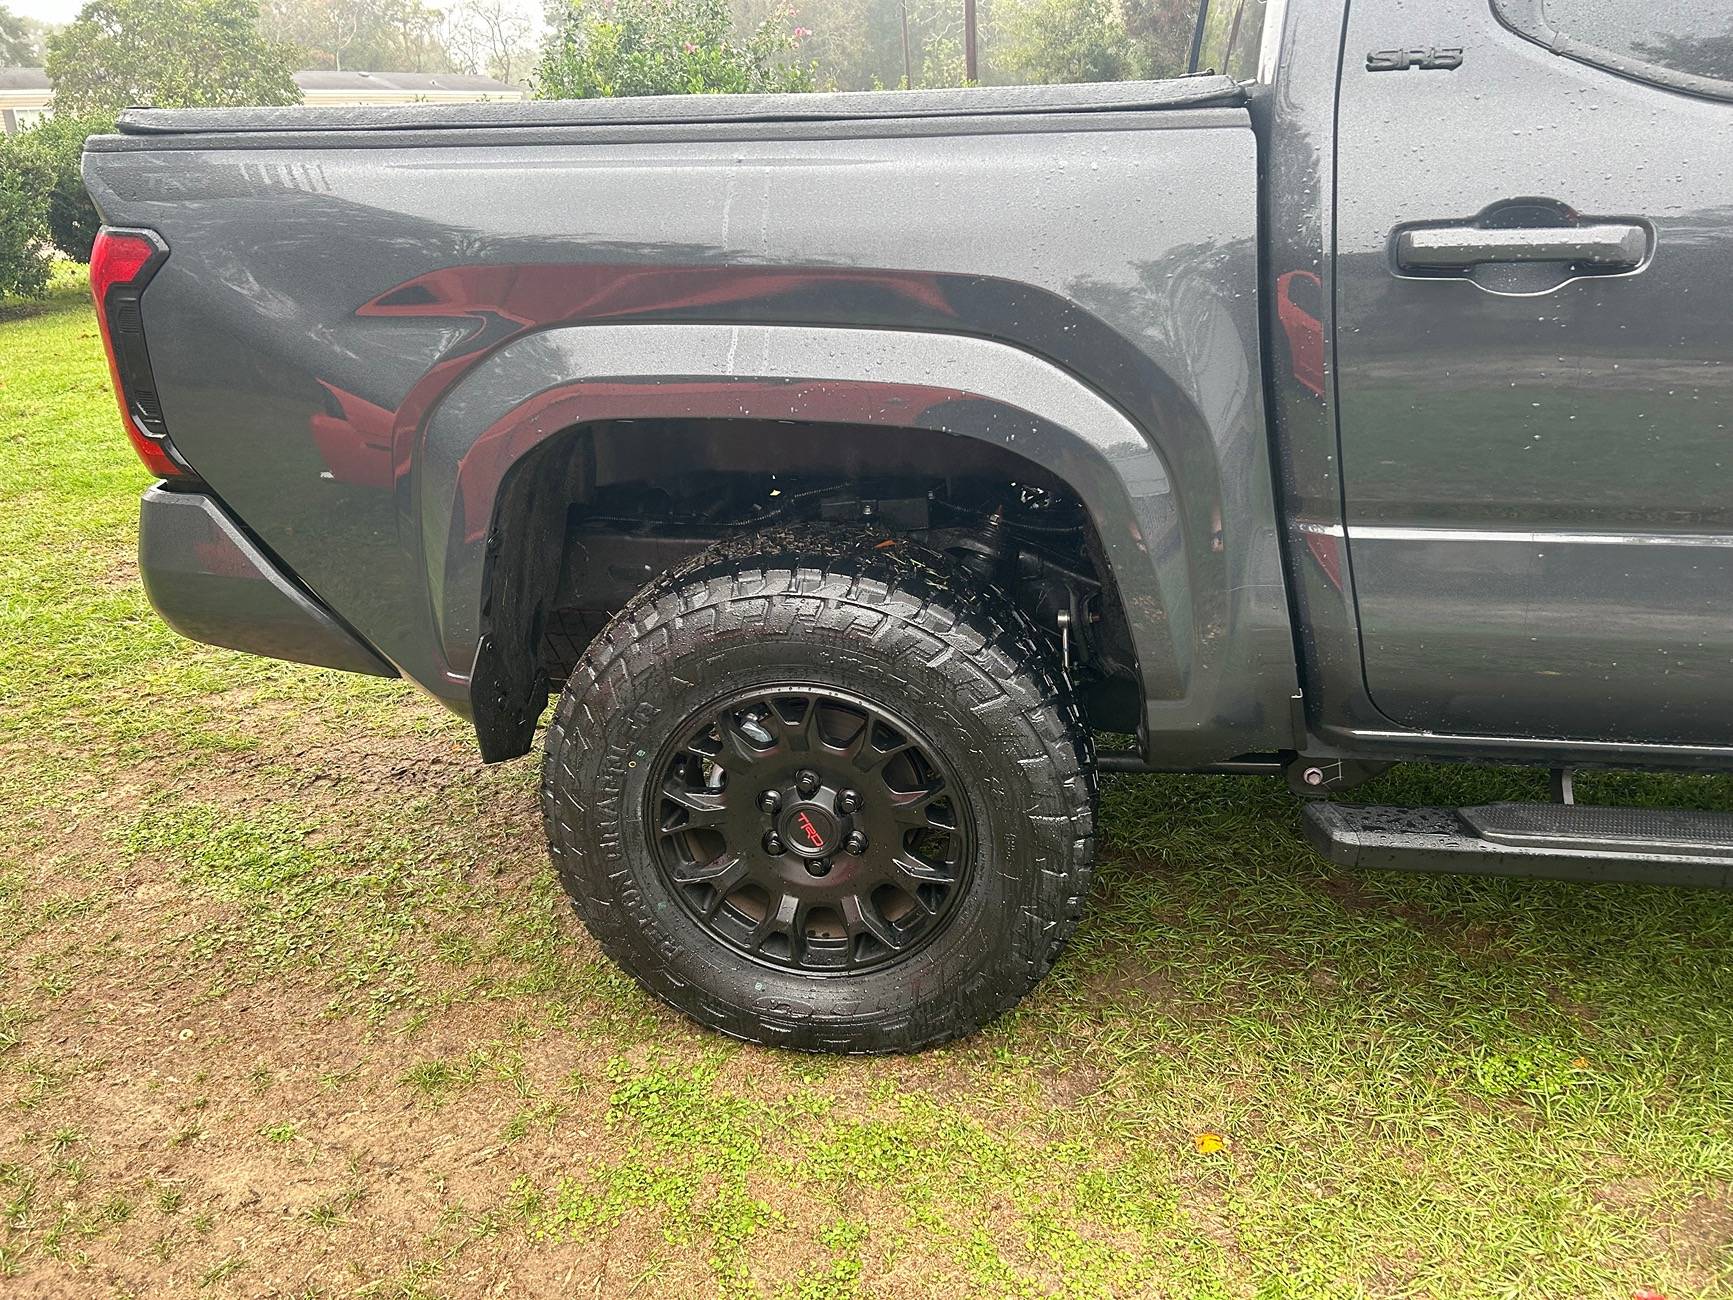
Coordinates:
(848, 802)
(773, 843)
(818, 867)
(807, 783)
(856, 843)
(769, 801)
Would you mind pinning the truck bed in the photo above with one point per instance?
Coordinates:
(360, 306)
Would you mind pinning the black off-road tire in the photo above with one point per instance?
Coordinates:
(868, 618)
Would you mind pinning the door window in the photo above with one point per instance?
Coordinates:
(1685, 44)
(1233, 32)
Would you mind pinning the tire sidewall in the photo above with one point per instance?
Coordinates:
(638, 702)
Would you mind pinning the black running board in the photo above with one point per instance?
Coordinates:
(1560, 841)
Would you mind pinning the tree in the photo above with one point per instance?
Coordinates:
(322, 32)
(1066, 40)
(491, 37)
(936, 37)
(858, 44)
(666, 47)
(1699, 53)
(167, 53)
(1160, 32)
(399, 36)
(20, 40)
(359, 35)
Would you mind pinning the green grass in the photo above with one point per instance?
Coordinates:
(289, 994)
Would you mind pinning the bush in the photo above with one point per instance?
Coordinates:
(58, 145)
(665, 47)
(24, 185)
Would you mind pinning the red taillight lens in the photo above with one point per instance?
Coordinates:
(121, 262)
(117, 258)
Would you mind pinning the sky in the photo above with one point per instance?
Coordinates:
(49, 11)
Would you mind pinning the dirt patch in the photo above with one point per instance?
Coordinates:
(252, 1127)
(1474, 938)
(1700, 1238)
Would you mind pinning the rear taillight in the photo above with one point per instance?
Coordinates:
(121, 264)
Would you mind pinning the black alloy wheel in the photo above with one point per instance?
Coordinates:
(810, 830)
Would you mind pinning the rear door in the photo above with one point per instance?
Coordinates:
(1535, 363)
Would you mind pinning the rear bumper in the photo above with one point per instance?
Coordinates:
(211, 583)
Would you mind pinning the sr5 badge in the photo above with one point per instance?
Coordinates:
(1427, 60)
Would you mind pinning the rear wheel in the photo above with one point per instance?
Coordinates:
(825, 792)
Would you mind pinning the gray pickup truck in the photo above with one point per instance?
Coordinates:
(847, 463)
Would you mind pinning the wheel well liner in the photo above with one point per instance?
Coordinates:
(824, 380)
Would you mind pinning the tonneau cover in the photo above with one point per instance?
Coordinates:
(1122, 96)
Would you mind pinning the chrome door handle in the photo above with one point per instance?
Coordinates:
(1607, 246)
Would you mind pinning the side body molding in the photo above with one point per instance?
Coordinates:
(1228, 687)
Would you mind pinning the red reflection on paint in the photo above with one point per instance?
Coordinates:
(218, 555)
(542, 294)
(1304, 329)
(372, 446)
(1326, 549)
(356, 442)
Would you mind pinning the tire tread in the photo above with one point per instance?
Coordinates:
(822, 581)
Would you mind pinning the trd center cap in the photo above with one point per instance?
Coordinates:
(810, 830)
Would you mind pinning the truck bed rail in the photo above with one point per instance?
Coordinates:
(675, 110)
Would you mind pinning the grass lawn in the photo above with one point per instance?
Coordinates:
(291, 1005)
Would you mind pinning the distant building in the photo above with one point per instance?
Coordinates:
(327, 89)
(27, 96)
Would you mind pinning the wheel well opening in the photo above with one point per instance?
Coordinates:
(595, 512)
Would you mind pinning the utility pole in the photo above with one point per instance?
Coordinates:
(908, 65)
(971, 59)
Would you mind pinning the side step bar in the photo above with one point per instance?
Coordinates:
(1560, 841)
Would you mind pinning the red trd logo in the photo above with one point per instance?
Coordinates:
(812, 836)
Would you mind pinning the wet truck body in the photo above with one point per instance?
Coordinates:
(1365, 396)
